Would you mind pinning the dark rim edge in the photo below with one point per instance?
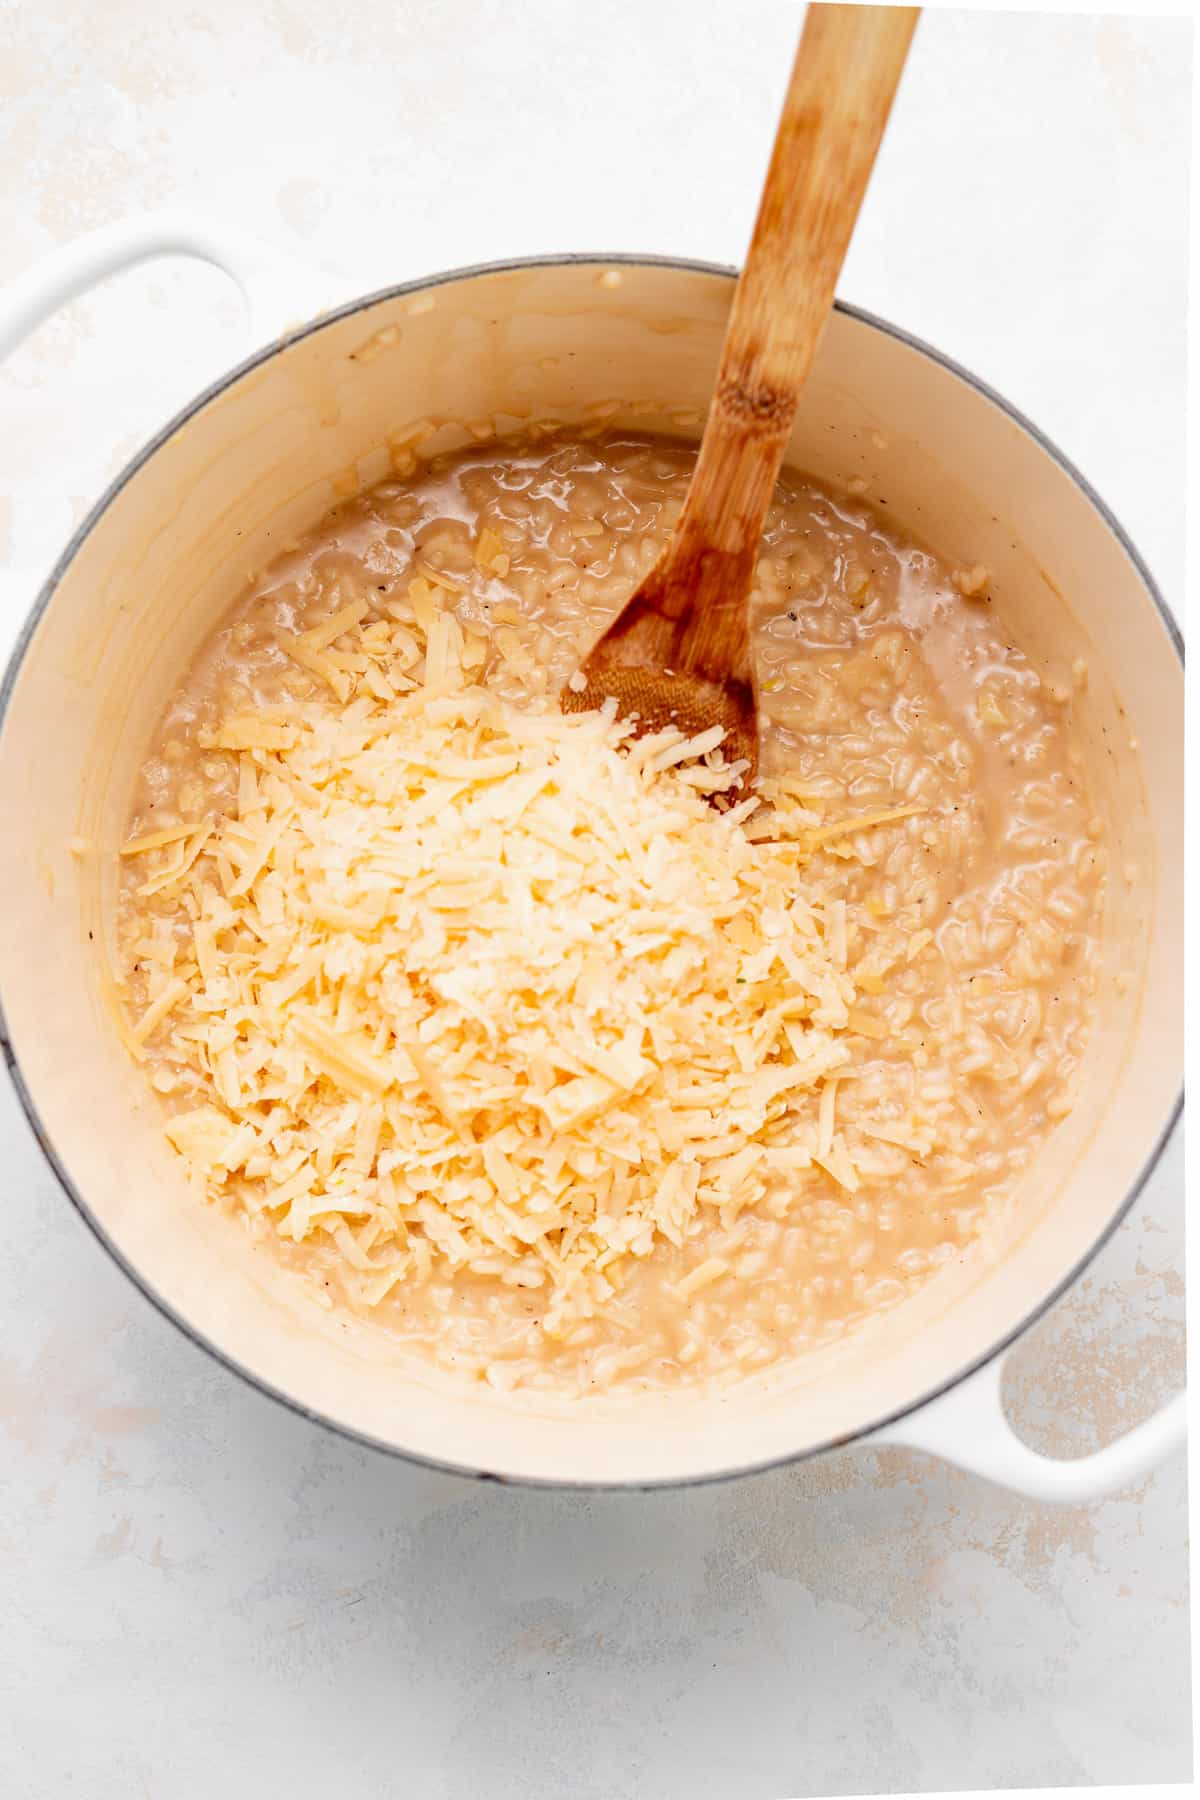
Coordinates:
(861, 1434)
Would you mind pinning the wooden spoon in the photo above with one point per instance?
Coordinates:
(679, 651)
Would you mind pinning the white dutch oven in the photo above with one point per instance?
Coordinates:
(253, 460)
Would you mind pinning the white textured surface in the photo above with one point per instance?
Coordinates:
(201, 1592)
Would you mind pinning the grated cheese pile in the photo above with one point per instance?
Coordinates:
(458, 985)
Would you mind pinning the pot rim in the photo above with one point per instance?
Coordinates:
(45, 595)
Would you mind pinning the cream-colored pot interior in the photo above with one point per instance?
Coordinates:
(164, 556)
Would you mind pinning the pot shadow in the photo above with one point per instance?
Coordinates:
(868, 1621)
(588, 1641)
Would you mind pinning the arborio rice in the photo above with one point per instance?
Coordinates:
(491, 1028)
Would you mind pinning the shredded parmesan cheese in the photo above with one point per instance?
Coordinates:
(459, 981)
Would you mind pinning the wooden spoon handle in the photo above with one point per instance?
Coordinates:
(679, 651)
(838, 100)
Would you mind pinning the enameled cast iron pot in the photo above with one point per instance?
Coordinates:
(252, 461)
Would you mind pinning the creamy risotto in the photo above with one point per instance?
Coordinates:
(499, 1035)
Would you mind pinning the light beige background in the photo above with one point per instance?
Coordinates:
(201, 1591)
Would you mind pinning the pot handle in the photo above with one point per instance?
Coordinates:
(281, 293)
(968, 1427)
